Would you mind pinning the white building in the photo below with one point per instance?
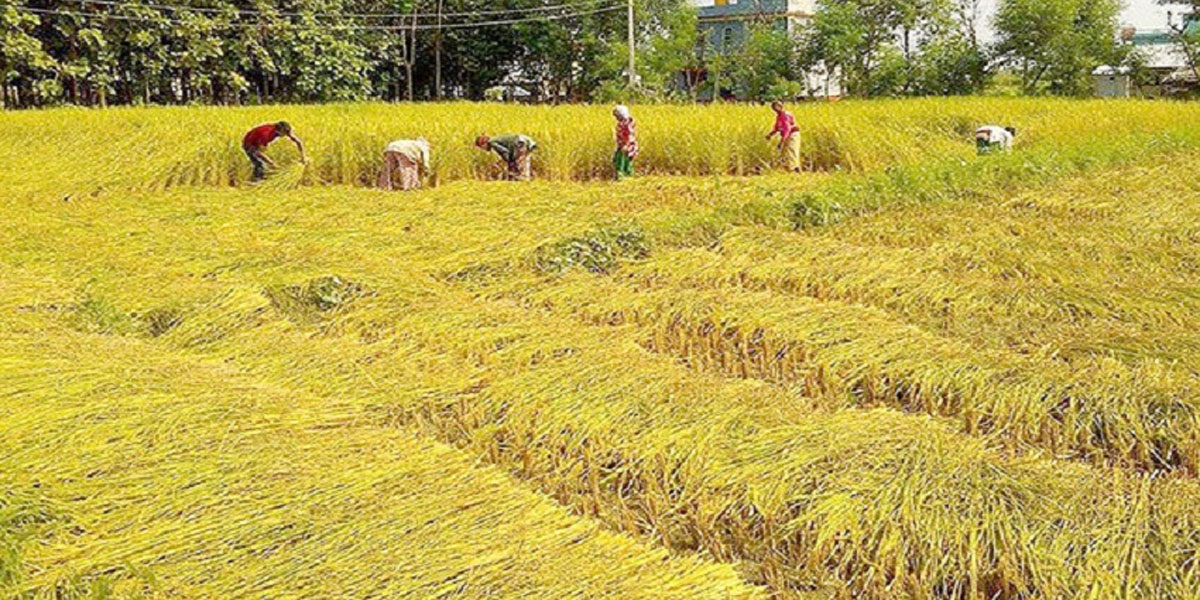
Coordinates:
(724, 25)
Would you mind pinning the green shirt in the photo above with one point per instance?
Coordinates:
(506, 145)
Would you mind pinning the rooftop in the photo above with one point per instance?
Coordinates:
(710, 9)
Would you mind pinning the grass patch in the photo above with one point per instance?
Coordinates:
(600, 251)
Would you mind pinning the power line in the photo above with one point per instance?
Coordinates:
(560, 17)
(577, 5)
(340, 26)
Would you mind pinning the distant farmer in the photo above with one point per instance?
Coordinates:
(403, 161)
(627, 145)
(993, 138)
(257, 140)
(514, 150)
(789, 137)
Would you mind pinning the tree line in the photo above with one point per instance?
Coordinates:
(100, 52)
(260, 51)
(933, 47)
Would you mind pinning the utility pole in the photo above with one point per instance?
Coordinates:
(632, 51)
(437, 74)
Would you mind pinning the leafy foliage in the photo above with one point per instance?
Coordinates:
(897, 47)
(242, 52)
(1055, 44)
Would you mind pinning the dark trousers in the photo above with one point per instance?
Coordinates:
(519, 164)
(256, 161)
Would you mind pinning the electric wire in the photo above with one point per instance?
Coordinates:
(584, 5)
(337, 26)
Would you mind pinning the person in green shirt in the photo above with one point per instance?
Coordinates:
(514, 150)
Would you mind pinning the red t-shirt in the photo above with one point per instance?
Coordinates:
(261, 136)
(785, 124)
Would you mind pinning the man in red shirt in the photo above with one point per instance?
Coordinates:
(257, 140)
(789, 137)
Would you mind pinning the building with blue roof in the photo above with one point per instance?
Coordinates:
(725, 25)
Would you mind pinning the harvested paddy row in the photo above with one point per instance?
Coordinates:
(1035, 275)
(1070, 333)
(851, 356)
(744, 471)
(876, 503)
(149, 474)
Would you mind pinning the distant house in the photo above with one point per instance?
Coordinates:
(725, 25)
(1161, 57)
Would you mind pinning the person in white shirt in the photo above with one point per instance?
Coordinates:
(993, 138)
(403, 161)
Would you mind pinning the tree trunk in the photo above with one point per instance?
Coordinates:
(395, 82)
(908, 66)
(410, 52)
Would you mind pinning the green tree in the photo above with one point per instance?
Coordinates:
(23, 61)
(262, 51)
(1055, 44)
(897, 47)
(666, 51)
(763, 62)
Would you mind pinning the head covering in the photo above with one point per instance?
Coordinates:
(622, 112)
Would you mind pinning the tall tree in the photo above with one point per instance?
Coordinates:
(765, 59)
(1055, 44)
(264, 51)
(23, 60)
(895, 47)
(666, 39)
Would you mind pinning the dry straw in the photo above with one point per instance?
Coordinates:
(214, 392)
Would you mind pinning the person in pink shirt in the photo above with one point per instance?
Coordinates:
(789, 137)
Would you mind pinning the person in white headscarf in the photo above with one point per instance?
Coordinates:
(403, 161)
(994, 138)
(627, 145)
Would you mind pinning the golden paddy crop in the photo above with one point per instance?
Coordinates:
(977, 381)
(202, 146)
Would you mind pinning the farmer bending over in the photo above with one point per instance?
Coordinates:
(789, 137)
(257, 140)
(514, 150)
(627, 146)
(993, 138)
(403, 161)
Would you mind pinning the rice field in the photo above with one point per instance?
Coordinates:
(906, 373)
